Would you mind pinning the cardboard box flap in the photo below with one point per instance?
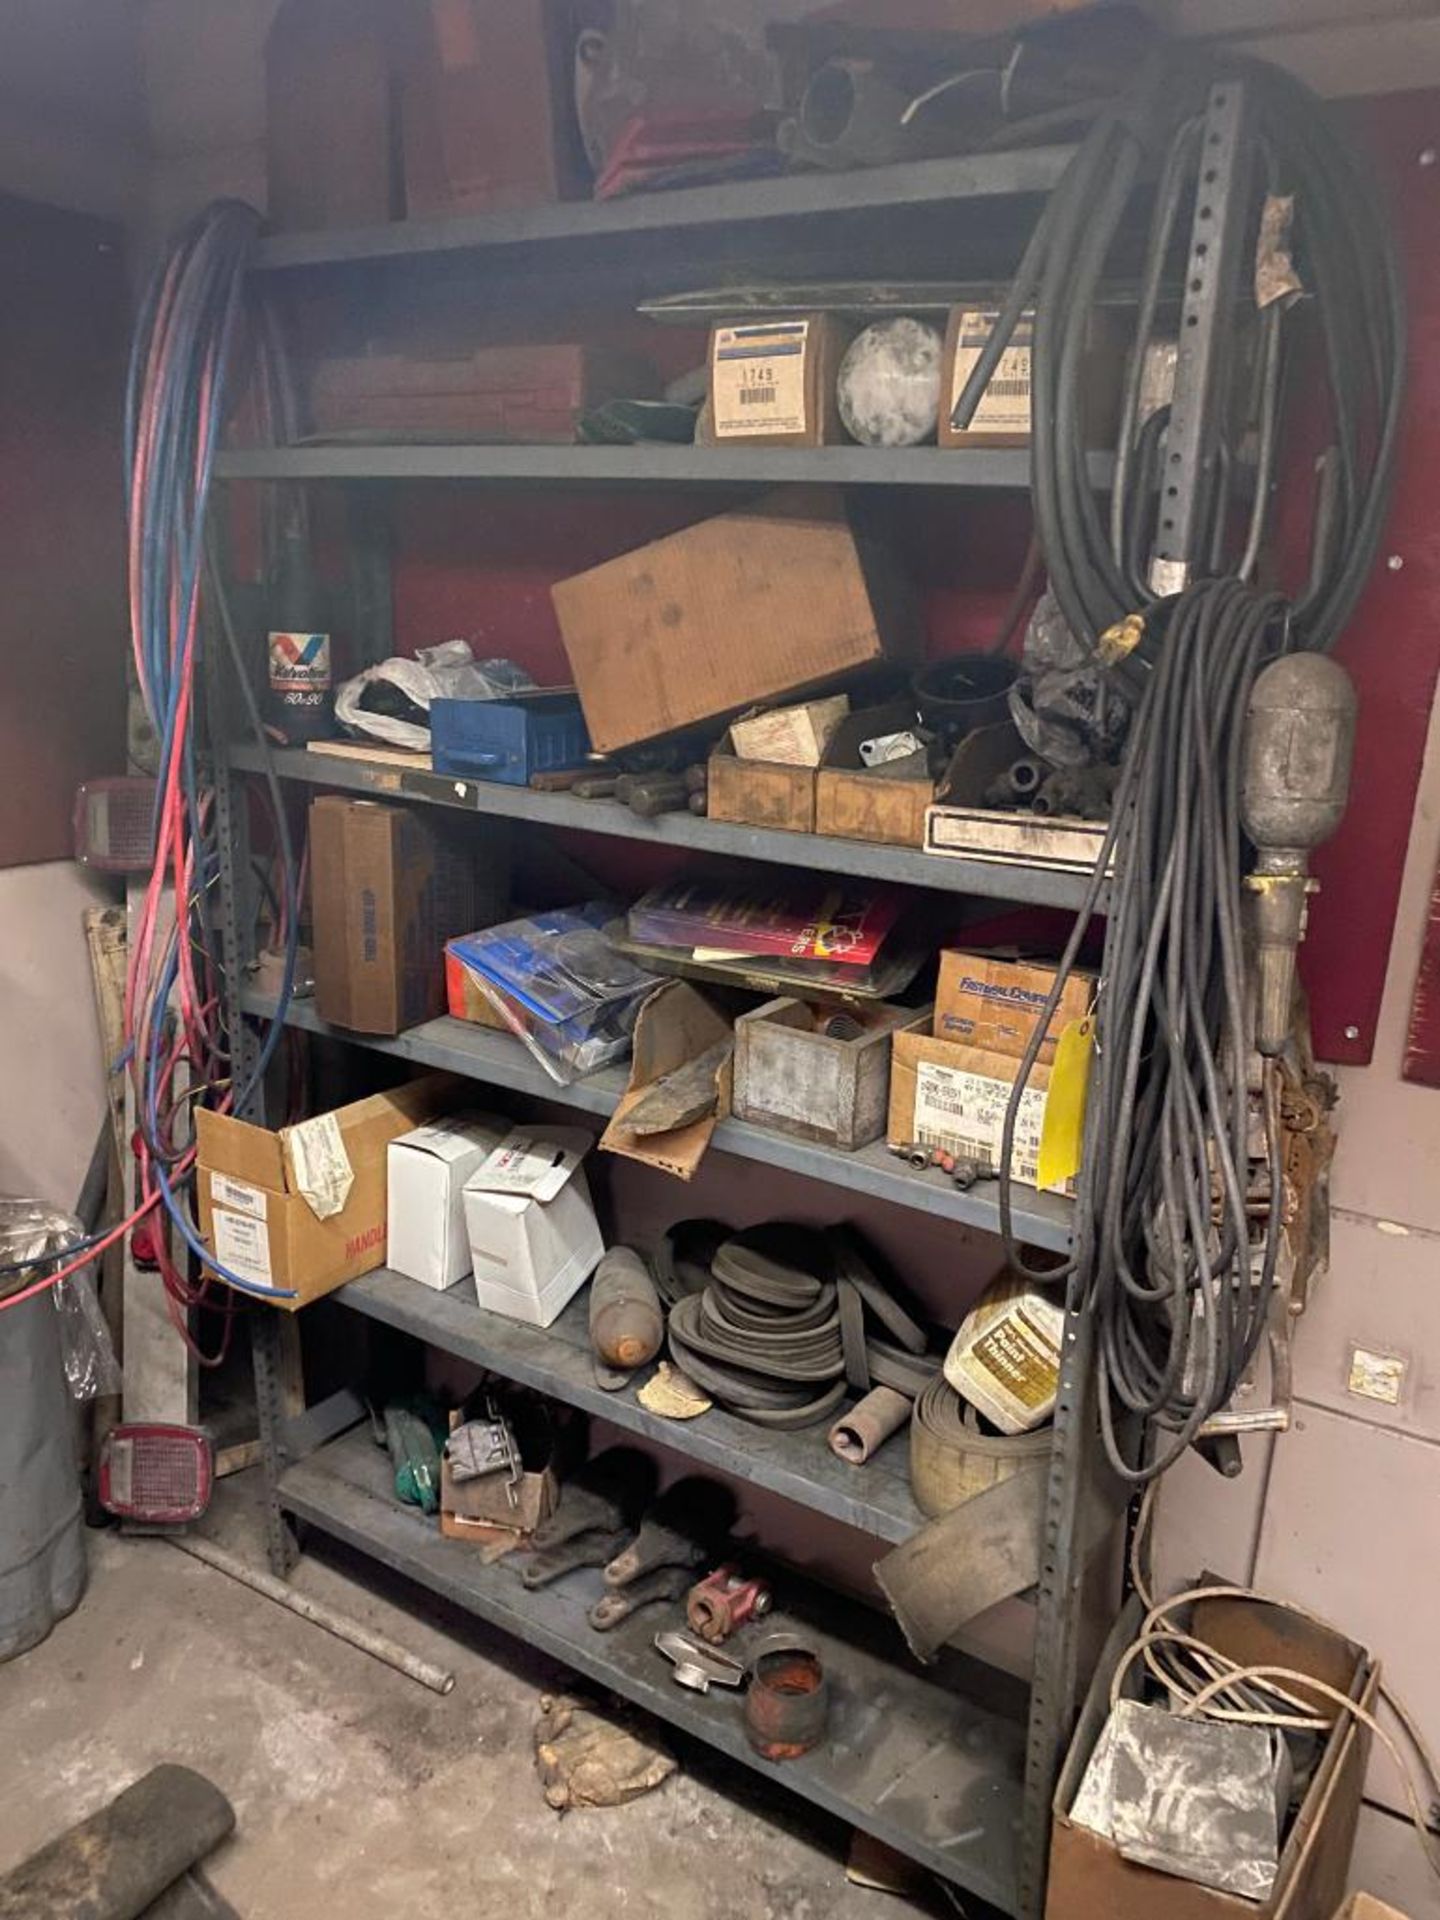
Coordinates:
(530, 1166)
(244, 1151)
(366, 1126)
(676, 1025)
(446, 1140)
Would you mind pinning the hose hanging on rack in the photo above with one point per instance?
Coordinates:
(192, 335)
(1162, 1256)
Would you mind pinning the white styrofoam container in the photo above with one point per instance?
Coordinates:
(425, 1175)
(531, 1257)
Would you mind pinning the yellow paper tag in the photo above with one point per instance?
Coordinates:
(1064, 1125)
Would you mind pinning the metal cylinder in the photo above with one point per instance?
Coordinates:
(626, 1321)
(788, 1702)
(1299, 739)
(888, 386)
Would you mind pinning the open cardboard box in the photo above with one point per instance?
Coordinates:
(259, 1189)
(676, 1024)
(1091, 1880)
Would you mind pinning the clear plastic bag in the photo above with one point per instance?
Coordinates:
(560, 987)
(449, 671)
(29, 1231)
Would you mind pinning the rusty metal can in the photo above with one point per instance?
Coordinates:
(788, 1702)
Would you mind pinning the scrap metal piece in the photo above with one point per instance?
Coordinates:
(662, 1585)
(654, 1546)
(605, 1495)
(788, 1704)
(723, 1601)
(680, 1098)
(123, 1857)
(584, 1550)
(699, 1667)
(686, 1528)
(627, 1323)
(869, 1424)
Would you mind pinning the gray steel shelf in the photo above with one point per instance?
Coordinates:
(457, 1046)
(908, 1757)
(818, 853)
(557, 1361)
(649, 465)
(750, 203)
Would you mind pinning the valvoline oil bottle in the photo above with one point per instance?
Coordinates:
(302, 688)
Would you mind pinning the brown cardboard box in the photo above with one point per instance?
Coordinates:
(855, 802)
(388, 888)
(961, 822)
(982, 1001)
(258, 1220)
(1002, 418)
(955, 1097)
(1089, 1878)
(1364, 1906)
(773, 599)
(772, 381)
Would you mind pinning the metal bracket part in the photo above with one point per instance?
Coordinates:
(1194, 437)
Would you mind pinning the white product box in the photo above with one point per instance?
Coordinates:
(534, 1241)
(425, 1175)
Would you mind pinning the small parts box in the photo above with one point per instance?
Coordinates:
(534, 1241)
(885, 803)
(426, 1171)
(508, 740)
(772, 381)
(799, 1072)
(982, 1001)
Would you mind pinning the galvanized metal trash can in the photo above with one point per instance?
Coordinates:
(42, 1522)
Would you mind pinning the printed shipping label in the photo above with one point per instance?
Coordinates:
(225, 1192)
(965, 1114)
(1376, 1376)
(319, 1164)
(1005, 404)
(242, 1244)
(757, 379)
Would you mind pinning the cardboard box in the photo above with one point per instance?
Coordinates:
(856, 802)
(955, 1097)
(770, 600)
(533, 395)
(1364, 1906)
(533, 1249)
(465, 998)
(388, 887)
(426, 1171)
(772, 381)
(676, 1025)
(1002, 419)
(1089, 1878)
(995, 1004)
(306, 1207)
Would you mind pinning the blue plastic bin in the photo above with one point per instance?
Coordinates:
(508, 740)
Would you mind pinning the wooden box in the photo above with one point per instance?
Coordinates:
(793, 1076)
(759, 793)
(856, 802)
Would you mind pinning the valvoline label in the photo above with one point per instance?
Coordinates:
(299, 663)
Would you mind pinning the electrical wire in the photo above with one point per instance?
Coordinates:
(1201, 1681)
(1163, 1264)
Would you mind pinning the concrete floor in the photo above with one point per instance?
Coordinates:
(353, 1784)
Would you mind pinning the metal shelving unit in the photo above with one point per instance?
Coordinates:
(916, 1758)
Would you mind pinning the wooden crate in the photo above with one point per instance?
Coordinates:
(793, 1077)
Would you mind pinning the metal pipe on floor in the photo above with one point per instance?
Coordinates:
(378, 1645)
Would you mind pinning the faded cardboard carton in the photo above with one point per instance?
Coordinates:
(994, 1004)
(773, 380)
(389, 886)
(304, 1208)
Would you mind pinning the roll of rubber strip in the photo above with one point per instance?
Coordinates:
(796, 1347)
(951, 1460)
(851, 1266)
(682, 1259)
(852, 1336)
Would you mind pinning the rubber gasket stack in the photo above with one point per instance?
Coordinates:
(778, 1333)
